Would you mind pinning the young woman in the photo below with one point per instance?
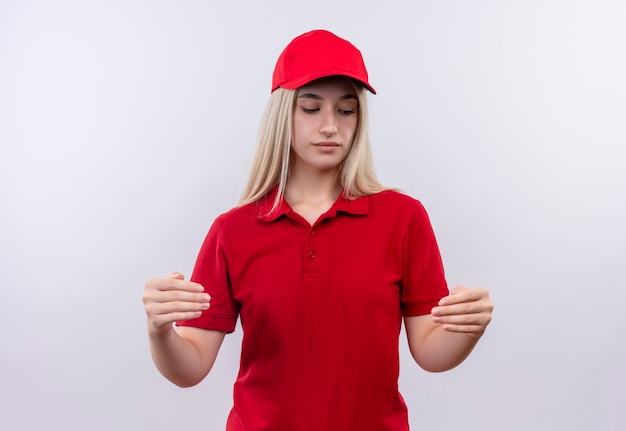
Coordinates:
(321, 263)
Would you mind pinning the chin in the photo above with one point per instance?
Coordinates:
(326, 167)
(322, 164)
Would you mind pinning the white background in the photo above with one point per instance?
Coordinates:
(126, 127)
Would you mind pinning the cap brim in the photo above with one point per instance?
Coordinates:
(294, 84)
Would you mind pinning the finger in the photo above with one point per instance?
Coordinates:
(190, 286)
(458, 289)
(464, 295)
(176, 275)
(160, 314)
(471, 330)
(165, 308)
(173, 284)
(180, 296)
(482, 319)
(155, 293)
(462, 308)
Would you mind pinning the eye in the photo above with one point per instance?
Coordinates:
(347, 111)
(309, 110)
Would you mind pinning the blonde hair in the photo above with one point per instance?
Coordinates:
(271, 164)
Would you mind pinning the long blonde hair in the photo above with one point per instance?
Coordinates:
(270, 167)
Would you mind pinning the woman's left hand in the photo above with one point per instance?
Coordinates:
(465, 310)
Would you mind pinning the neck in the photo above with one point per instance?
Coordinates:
(312, 186)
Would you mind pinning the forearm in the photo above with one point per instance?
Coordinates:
(179, 360)
(441, 350)
(442, 340)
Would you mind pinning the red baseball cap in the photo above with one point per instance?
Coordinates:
(317, 54)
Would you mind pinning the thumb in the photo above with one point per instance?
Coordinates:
(458, 289)
(177, 275)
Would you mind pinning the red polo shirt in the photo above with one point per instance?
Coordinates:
(321, 308)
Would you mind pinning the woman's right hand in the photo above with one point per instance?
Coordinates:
(168, 300)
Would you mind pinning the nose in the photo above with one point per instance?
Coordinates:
(329, 125)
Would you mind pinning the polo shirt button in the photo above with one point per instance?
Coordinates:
(312, 254)
(312, 233)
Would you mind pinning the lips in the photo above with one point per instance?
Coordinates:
(327, 144)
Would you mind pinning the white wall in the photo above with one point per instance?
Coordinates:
(126, 127)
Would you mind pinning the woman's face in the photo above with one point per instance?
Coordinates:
(325, 119)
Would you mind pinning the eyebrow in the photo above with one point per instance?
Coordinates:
(317, 97)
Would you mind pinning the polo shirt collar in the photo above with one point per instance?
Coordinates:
(358, 206)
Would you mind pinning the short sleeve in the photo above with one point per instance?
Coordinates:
(211, 271)
(423, 279)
